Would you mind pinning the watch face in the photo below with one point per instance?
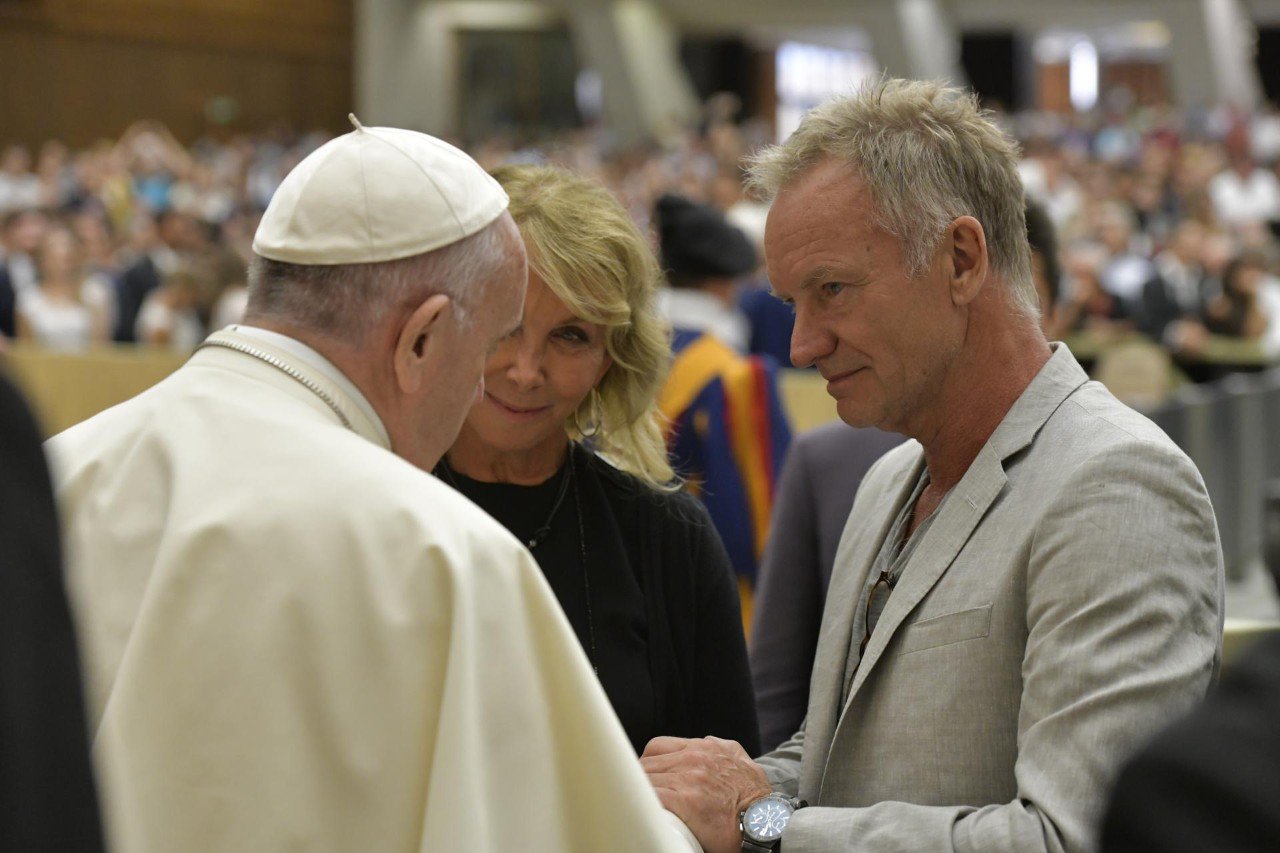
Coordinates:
(765, 819)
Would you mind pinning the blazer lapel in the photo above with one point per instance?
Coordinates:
(956, 520)
(857, 554)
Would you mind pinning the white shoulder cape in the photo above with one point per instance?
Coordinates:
(296, 640)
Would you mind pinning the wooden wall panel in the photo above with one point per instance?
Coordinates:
(1053, 87)
(1146, 80)
(80, 70)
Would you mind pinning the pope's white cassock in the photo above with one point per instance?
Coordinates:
(296, 640)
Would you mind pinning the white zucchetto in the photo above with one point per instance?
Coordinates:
(377, 194)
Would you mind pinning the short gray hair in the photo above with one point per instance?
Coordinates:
(927, 154)
(347, 300)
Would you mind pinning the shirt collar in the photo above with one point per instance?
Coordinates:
(315, 361)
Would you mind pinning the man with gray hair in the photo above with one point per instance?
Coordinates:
(297, 638)
(1024, 591)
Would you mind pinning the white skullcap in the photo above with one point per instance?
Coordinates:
(377, 194)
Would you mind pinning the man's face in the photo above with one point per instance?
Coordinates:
(882, 340)
(466, 347)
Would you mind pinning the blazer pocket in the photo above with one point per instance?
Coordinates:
(945, 630)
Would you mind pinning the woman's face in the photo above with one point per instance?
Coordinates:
(1245, 281)
(538, 375)
(59, 255)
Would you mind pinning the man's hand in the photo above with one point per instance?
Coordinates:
(707, 783)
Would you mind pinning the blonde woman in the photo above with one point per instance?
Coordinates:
(565, 450)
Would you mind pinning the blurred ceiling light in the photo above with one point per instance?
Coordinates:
(1084, 75)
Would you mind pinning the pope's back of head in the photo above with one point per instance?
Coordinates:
(392, 254)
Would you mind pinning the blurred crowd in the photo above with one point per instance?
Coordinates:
(1167, 221)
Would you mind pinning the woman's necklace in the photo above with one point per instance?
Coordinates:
(540, 535)
(569, 480)
(586, 574)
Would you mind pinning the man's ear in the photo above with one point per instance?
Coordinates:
(966, 259)
(414, 342)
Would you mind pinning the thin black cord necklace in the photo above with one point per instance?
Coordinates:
(539, 536)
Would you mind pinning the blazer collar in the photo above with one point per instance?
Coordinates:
(1060, 376)
(831, 658)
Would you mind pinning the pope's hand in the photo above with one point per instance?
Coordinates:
(707, 783)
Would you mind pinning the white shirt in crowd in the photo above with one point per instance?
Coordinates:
(56, 324)
(18, 192)
(1242, 201)
(703, 312)
(1269, 302)
(68, 326)
(181, 325)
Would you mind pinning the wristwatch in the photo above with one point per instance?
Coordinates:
(763, 821)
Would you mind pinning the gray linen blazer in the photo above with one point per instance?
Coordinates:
(1065, 602)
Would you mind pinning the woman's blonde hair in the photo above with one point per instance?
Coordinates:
(582, 243)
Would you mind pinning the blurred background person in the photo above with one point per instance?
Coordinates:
(23, 232)
(727, 432)
(565, 450)
(1127, 269)
(19, 187)
(66, 310)
(1244, 193)
(1237, 311)
(1173, 301)
(168, 316)
(175, 238)
(1089, 306)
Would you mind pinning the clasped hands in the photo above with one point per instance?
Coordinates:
(706, 782)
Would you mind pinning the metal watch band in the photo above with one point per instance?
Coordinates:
(749, 846)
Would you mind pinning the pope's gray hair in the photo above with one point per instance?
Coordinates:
(927, 154)
(346, 301)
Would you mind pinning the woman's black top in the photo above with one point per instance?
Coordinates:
(654, 603)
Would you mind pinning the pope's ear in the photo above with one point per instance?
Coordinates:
(414, 344)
